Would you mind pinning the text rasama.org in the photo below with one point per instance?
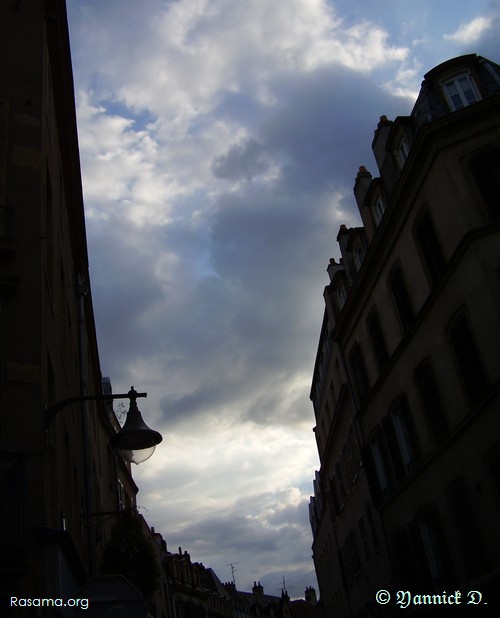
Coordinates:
(20, 602)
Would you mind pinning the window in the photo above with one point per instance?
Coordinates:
(379, 461)
(378, 209)
(354, 552)
(383, 462)
(430, 247)
(435, 547)
(468, 359)
(337, 502)
(406, 571)
(395, 461)
(345, 471)
(467, 530)
(364, 540)
(341, 294)
(460, 91)
(354, 448)
(400, 294)
(493, 465)
(485, 169)
(339, 480)
(358, 369)
(395, 448)
(349, 464)
(373, 527)
(402, 151)
(377, 338)
(431, 401)
(349, 553)
(358, 254)
(404, 432)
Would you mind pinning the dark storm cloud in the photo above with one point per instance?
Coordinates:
(243, 161)
(231, 534)
(220, 143)
(323, 124)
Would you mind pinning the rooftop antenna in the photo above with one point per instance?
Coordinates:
(283, 588)
(231, 564)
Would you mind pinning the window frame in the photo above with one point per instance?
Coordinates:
(435, 544)
(455, 79)
(358, 254)
(378, 209)
(377, 451)
(402, 151)
(401, 299)
(406, 433)
(341, 294)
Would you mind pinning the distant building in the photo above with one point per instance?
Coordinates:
(406, 381)
(55, 501)
(258, 604)
(195, 591)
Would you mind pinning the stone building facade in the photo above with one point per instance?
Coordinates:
(56, 481)
(406, 382)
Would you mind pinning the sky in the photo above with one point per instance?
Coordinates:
(219, 143)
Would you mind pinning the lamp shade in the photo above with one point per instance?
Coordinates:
(135, 436)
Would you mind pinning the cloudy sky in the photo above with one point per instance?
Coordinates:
(219, 144)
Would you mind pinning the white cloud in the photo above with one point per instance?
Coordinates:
(219, 143)
(189, 52)
(470, 32)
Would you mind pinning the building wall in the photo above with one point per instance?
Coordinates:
(418, 327)
(50, 537)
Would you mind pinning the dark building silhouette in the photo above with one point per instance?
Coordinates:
(406, 381)
(50, 491)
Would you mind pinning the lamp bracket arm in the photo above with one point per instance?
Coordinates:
(50, 412)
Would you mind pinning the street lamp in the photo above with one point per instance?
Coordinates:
(135, 441)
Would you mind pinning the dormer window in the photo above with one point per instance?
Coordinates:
(460, 91)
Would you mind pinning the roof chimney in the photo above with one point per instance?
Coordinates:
(257, 588)
(310, 596)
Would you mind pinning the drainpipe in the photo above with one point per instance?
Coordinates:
(84, 410)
